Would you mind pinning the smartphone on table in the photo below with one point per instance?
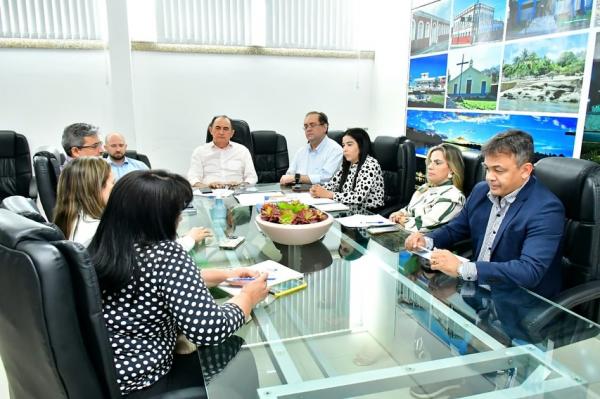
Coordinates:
(231, 242)
(287, 287)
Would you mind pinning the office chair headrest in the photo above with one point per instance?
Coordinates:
(16, 228)
(574, 182)
(7, 143)
(385, 149)
(265, 141)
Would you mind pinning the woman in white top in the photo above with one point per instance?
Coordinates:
(440, 199)
(83, 189)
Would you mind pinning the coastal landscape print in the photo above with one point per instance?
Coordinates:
(539, 17)
(544, 75)
(473, 74)
(553, 136)
(430, 28)
(590, 146)
(477, 21)
(427, 81)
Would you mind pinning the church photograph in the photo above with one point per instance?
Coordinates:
(473, 78)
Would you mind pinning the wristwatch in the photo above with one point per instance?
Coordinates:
(297, 178)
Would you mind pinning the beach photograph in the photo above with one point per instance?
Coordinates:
(473, 74)
(477, 21)
(543, 75)
(427, 81)
(430, 28)
(528, 18)
(553, 136)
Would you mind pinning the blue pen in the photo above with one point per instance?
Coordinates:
(247, 278)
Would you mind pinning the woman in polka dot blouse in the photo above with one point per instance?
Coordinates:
(151, 288)
(359, 180)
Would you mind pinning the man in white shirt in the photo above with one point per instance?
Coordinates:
(317, 161)
(221, 162)
(121, 165)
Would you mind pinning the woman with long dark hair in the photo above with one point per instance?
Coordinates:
(151, 287)
(359, 180)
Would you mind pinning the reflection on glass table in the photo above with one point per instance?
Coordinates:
(374, 323)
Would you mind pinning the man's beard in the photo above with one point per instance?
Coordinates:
(118, 157)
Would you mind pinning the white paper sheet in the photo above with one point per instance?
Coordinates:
(364, 221)
(278, 273)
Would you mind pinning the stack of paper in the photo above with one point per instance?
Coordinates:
(277, 272)
(258, 198)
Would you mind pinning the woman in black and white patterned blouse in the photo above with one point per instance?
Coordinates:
(151, 288)
(359, 180)
(440, 199)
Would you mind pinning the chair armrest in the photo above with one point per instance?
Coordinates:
(541, 319)
(33, 193)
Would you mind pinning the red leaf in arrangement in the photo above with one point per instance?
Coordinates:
(292, 212)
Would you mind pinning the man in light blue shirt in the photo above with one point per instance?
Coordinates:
(121, 165)
(317, 161)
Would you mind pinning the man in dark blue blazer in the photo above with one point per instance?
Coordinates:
(515, 223)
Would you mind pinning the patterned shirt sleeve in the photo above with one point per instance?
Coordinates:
(197, 314)
(333, 184)
(427, 212)
(369, 188)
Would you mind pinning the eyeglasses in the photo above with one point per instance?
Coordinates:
(92, 146)
(312, 125)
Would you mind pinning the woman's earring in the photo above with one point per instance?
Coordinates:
(449, 175)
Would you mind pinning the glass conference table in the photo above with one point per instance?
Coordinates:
(373, 323)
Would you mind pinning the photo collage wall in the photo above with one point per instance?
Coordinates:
(479, 67)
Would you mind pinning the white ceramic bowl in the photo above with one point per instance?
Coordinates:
(294, 234)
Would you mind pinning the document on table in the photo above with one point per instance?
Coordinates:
(278, 273)
(426, 253)
(364, 221)
(336, 206)
(257, 198)
(217, 192)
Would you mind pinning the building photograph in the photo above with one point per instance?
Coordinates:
(476, 21)
(430, 28)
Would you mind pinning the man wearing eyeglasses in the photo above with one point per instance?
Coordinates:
(119, 163)
(317, 161)
(221, 163)
(81, 140)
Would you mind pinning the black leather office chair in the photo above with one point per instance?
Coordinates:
(15, 166)
(53, 340)
(396, 156)
(133, 154)
(576, 183)
(474, 171)
(271, 159)
(336, 135)
(241, 136)
(47, 171)
(24, 207)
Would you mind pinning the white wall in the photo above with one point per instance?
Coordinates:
(45, 90)
(176, 96)
(390, 71)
